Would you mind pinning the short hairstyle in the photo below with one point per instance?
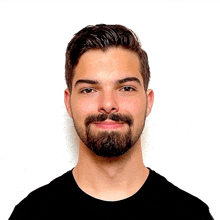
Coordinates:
(103, 37)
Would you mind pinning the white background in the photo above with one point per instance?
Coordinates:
(181, 138)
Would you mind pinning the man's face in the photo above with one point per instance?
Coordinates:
(108, 101)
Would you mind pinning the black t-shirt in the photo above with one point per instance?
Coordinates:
(156, 199)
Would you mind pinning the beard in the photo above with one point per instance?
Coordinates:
(109, 143)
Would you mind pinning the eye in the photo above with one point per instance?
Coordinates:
(87, 89)
(129, 87)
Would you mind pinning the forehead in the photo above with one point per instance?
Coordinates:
(108, 66)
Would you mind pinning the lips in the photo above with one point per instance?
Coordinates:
(108, 123)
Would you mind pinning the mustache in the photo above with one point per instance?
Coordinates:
(114, 117)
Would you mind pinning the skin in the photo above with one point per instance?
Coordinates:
(114, 178)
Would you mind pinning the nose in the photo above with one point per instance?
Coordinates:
(108, 103)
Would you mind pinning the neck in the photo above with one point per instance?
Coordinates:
(110, 179)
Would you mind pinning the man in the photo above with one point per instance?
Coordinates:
(107, 76)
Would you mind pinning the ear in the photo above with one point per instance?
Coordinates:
(150, 100)
(67, 96)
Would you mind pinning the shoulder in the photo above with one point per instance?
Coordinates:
(56, 187)
(44, 199)
(171, 198)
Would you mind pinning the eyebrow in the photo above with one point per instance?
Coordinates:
(95, 82)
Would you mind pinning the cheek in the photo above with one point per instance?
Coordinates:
(135, 106)
(81, 109)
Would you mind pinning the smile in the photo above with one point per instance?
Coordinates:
(108, 125)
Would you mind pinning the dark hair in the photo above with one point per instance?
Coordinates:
(103, 37)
